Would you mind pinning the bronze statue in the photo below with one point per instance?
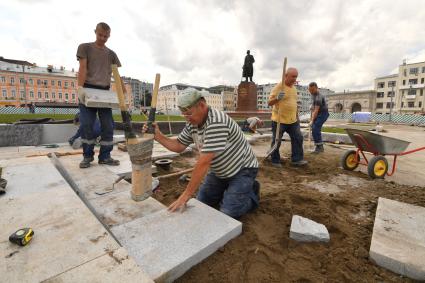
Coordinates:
(248, 68)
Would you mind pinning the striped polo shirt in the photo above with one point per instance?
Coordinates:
(220, 134)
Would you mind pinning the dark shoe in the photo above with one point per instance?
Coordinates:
(86, 162)
(299, 163)
(3, 183)
(110, 161)
(70, 141)
(277, 165)
(319, 149)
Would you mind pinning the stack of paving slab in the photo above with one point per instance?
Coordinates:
(163, 245)
(398, 239)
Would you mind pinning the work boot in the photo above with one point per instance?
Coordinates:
(86, 162)
(110, 161)
(318, 149)
(299, 163)
(277, 165)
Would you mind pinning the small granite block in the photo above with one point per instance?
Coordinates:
(306, 230)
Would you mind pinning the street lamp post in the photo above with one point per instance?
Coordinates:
(25, 86)
(391, 103)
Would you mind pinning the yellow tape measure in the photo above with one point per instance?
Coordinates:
(22, 237)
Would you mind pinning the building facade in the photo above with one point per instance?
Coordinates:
(168, 97)
(229, 95)
(23, 83)
(402, 92)
(352, 101)
(139, 92)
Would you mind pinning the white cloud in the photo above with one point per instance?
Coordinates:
(339, 44)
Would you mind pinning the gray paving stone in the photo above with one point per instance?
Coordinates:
(66, 235)
(166, 244)
(101, 98)
(398, 239)
(306, 230)
(30, 175)
(113, 267)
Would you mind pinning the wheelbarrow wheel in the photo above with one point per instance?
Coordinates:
(349, 161)
(377, 167)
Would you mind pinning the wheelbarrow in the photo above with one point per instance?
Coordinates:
(379, 146)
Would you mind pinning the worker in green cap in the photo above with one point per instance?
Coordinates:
(227, 166)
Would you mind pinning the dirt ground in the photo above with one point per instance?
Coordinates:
(345, 202)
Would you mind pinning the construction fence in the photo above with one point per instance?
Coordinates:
(409, 119)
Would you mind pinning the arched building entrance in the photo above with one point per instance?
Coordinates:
(356, 107)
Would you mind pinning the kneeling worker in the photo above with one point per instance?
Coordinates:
(251, 124)
(225, 158)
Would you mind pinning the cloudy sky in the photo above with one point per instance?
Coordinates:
(340, 44)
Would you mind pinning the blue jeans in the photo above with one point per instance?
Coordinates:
(88, 135)
(236, 195)
(316, 128)
(294, 132)
(96, 130)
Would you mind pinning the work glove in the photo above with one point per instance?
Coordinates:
(280, 96)
(81, 95)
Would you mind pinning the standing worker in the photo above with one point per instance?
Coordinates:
(95, 72)
(225, 158)
(284, 100)
(319, 115)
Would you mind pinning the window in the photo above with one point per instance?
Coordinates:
(3, 79)
(39, 94)
(423, 69)
(60, 95)
(21, 81)
(66, 96)
(22, 94)
(379, 105)
(59, 83)
(420, 104)
(31, 81)
(390, 94)
(411, 92)
(381, 85)
(52, 82)
(53, 95)
(45, 82)
(379, 94)
(13, 93)
(413, 81)
(12, 80)
(72, 84)
(413, 71)
(31, 94)
(391, 83)
(422, 80)
(402, 104)
(46, 95)
(38, 82)
(66, 84)
(4, 93)
(404, 82)
(411, 104)
(389, 105)
(73, 96)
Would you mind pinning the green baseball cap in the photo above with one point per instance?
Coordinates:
(188, 99)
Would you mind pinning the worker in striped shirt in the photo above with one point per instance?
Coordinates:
(226, 160)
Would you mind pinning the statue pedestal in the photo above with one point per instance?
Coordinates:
(247, 97)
